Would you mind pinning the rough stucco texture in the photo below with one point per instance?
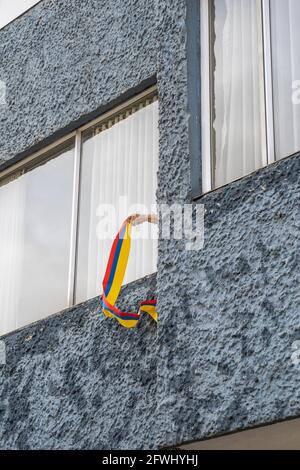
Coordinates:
(237, 315)
(78, 380)
(65, 58)
(220, 359)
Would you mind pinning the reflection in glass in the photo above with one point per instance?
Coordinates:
(35, 223)
(119, 166)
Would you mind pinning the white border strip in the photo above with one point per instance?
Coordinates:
(205, 98)
(266, 23)
(74, 220)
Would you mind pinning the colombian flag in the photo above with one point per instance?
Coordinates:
(113, 280)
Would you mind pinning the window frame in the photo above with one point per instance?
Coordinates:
(40, 157)
(206, 92)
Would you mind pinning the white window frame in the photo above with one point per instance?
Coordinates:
(206, 91)
(14, 171)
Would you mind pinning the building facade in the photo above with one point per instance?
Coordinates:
(220, 121)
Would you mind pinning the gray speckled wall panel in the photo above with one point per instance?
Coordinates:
(78, 380)
(229, 313)
(236, 313)
(220, 357)
(65, 58)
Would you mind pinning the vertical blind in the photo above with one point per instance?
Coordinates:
(238, 89)
(285, 19)
(254, 71)
(118, 178)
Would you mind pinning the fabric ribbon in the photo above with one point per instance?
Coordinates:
(113, 279)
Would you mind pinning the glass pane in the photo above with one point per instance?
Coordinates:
(238, 137)
(119, 167)
(9, 10)
(285, 32)
(35, 222)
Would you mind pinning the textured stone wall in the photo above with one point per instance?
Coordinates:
(225, 361)
(78, 381)
(220, 357)
(65, 58)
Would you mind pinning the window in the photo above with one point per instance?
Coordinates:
(118, 178)
(9, 10)
(51, 253)
(285, 35)
(249, 76)
(35, 229)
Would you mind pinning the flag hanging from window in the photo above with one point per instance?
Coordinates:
(113, 280)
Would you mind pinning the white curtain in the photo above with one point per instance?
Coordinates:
(11, 253)
(285, 19)
(119, 168)
(238, 90)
